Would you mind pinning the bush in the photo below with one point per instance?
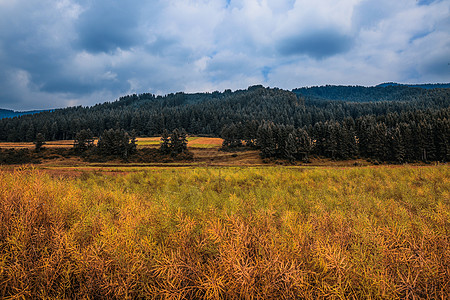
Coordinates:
(16, 156)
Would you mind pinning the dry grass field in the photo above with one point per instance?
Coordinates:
(50, 144)
(225, 232)
(193, 142)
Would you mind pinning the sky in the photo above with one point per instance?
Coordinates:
(59, 53)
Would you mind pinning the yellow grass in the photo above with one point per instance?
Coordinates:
(198, 142)
(227, 233)
(202, 142)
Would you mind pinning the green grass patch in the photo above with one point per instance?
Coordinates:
(148, 143)
(204, 146)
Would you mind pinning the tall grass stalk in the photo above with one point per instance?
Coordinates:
(224, 233)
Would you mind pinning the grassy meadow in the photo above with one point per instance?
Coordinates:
(193, 142)
(226, 233)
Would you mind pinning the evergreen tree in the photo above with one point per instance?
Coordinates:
(165, 142)
(304, 144)
(31, 133)
(397, 146)
(132, 146)
(178, 142)
(84, 140)
(39, 142)
(114, 142)
(290, 148)
(265, 139)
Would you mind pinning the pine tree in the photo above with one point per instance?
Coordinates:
(84, 140)
(165, 142)
(132, 146)
(265, 139)
(114, 142)
(397, 146)
(39, 142)
(304, 144)
(290, 148)
(178, 142)
(183, 140)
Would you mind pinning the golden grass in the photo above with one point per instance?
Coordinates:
(193, 141)
(203, 142)
(224, 233)
(48, 144)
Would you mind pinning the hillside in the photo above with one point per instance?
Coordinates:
(208, 113)
(382, 92)
(392, 123)
(423, 86)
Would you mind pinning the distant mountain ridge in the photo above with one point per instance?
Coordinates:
(8, 113)
(390, 91)
(419, 85)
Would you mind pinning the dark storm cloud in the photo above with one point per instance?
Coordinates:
(107, 25)
(64, 84)
(317, 44)
(438, 65)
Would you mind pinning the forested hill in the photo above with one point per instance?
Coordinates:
(383, 92)
(391, 123)
(392, 113)
(423, 86)
(208, 113)
(147, 114)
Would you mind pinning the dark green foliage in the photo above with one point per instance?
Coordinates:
(282, 141)
(27, 156)
(16, 156)
(290, 148)
(165, 142)
(304, 144)
(39, 142)
(132, 146)
(386, 123)
(175, 143)
(84, 140)
(397, 145)
(393, 138)
(178, 141)
(115, 142)
(265, 140)
(361, 93)
(232, 135)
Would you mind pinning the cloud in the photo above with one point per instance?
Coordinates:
(435, 57)
(104, 26)
(55, 53)
(317, 44)
(426, 2)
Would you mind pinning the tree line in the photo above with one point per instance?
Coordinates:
(425, 137)
(113, 144)
(341, 122)
(118, 143)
